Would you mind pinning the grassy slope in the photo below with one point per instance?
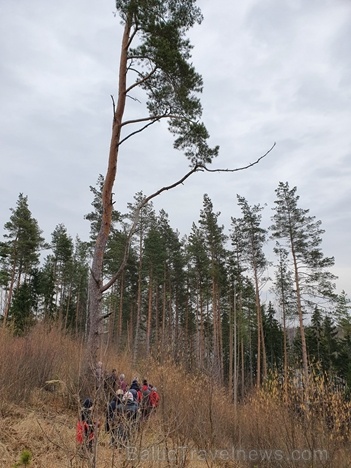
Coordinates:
(195, 418)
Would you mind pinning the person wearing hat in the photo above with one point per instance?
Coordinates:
(125, 418)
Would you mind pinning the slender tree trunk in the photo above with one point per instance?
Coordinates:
(120, 310)
(242, 369)
(202, 331)
(215, 336)
(231, 380)
(9, 295)
(170, 318)
(157, 321)
(164, 305)
(67, 308)
(139, 305)
(77, 315)
(300, 314)
(149, 315)
(235, 345)
(285, 345)
(260, 336)
(186, 344)
(176, 327)
(96, 276)
(250, 351)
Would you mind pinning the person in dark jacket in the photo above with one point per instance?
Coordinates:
(145, 404)
(111, 410)
(135, 389)
(131, 407)
(110, 384)
(135, 385)
(125, 420)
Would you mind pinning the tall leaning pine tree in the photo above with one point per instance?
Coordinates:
(302, 235)
(155, 58)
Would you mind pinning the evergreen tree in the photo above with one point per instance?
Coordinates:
(214, 242)
(76, 300)
(22, 310)
(302, 236)
(62, 263)
(174, 283)
(199, 292)
(283, 287)
(146, 219)
(253, 238)
(94, 217)
(237, 330)
(156, 52)
(343, 313)
(241, 328)
(47, 290)
(20, 253)
(274, 338)
(155, 258)
(322, 343)
(314, 337)
(330, 345)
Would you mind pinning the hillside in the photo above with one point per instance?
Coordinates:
(195, 425)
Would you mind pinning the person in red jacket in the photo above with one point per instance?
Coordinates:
(154, 398)
(85, 426)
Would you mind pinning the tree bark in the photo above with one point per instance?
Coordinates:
(96, 279)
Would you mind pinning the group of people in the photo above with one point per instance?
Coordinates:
(127, 406)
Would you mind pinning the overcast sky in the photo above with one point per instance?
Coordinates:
(274, 71)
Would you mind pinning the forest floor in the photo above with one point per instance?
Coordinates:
(46, 427)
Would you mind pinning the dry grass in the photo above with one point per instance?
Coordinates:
(195, 425)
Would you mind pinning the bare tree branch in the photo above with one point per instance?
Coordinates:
(198, 167)
(154, 117)
(134, 99)
(132, 230)
(152, 121)
(138, 83)
(113, 108)
(137, 131)
(240, 168)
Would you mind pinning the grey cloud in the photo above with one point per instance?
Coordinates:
(272, 22)
(340, 57)
(316, 94)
